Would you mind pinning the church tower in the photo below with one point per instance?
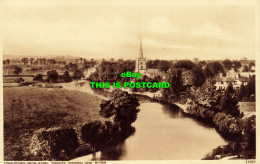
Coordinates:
(140, 62)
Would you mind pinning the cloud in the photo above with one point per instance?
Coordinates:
(114, 31)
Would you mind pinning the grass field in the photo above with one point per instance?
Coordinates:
(27, 109)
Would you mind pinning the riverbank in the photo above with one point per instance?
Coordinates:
(239, 132)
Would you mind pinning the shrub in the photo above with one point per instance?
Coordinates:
(96, 134)
(54, 143)
(38, 77)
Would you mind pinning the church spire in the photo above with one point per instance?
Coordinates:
(140, 50)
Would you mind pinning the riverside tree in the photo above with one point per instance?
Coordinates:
(95, 133)
(228, 102)
(175, 79)
(122, 107)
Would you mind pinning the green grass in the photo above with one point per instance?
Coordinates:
(27, 109)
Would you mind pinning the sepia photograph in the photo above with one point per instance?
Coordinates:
(94, 82)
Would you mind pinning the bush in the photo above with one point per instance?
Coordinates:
(54, 143)
(38, 77)
(96, 134)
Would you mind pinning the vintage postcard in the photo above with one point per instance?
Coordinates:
(96, 82)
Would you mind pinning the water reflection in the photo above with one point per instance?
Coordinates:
(173, 111)
(114, 152)
(164, 133)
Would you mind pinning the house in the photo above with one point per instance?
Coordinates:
(158, 94)
(235, 78)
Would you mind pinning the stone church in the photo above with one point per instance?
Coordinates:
(140, 65)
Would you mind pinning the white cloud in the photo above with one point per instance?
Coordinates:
(160, 25)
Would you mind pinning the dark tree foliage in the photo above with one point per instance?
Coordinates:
(111, 71)
(72, 67)
(146, 79)
(66, 77)
(52, 76)
(242, 93)
(89, 64)
(78, 74)
(249, 138)
(250, 88)
(95, 133)
(199, 76)
(38, 77)
(251, 65)
(227, 64)
(164, 65)
(51, 61)
(237, 65)
(17, 70)
(122, 107)
(228, 103)
(245, 68)
(247, 92)
(153, 64)
(173, 93)
(186, 64)
(213, 69)
(25, 60)
(202, 63)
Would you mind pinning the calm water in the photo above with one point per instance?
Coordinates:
(165, 134)
(162, 133)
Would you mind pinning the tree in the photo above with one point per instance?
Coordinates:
(72, 66)
(251, 65)
(122, 107)
(245, 68)
(81, 60)
(17, 70)
(51, 61)
(25, 60)
(66, 77)
(242, 92)
(38, 77)
(153, 64)
(95, 133)
(237, 65)
(213, 69)
(164, 65)
(31, 60)
(227, 64)
(250, 88)
(202, 63)
(44, 61)
(52, 76)
(199, 76)
(7, 61)
(78, 74)
(174, 77)
(187, 64)
(229, 101)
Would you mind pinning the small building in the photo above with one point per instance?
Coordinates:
(158, 94)
(234, 78)
(223, 83)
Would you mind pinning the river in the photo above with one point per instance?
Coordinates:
(163, 133)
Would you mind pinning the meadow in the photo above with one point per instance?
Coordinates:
(27, 109)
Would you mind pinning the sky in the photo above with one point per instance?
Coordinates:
(113, 31)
